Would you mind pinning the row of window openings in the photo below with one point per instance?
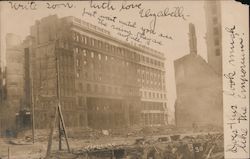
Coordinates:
(153, 107)
(151, 77)
(105, 89)
(85, 62)
(64, 104)
(92, 54)
(147, 70)
(153, 87)
(100, 44)
(98, 77)
(103, 108)
(151, 61)
(142, 79)
(150, 83)
(142, 58)
(107, 69)
(106, 57)
(152, 115)
(153, 95)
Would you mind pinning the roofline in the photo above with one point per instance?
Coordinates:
(108, 36)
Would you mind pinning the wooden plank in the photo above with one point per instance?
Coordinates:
(8, 152)
(60, 134)
(51, 134)
(63, 126)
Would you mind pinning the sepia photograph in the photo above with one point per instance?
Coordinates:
(124, 80)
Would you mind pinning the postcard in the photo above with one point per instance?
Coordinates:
(124, 79)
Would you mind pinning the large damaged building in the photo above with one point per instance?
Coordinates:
(103, 82)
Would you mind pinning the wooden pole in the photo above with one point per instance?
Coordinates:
(210, 151)
(113, 155)
(33, 111)
(8, 152)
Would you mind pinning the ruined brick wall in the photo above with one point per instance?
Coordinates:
(199, 93)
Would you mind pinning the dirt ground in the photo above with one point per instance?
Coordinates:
(22, 147)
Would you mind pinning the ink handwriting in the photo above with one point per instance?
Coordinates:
(126, 6)
(233, 35)
(107, 5)
(177, 12)
(243, 71)
(237, 82)
(239, 140)
(51, 5)
(24, 6)
(231, 76)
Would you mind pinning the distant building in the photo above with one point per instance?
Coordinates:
(199, 89)
(1, 84)
(2, 99)
(15, 84)
(1, 78)
(13, 80)
(104, 82)
(213, 35)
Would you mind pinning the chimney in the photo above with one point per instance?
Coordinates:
(192, 39)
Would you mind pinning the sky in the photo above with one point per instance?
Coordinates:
(19, 22)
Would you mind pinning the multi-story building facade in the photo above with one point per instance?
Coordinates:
(103, 82)
(151, 71)
(213, 35)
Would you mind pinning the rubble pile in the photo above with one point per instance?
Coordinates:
(185, 147)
